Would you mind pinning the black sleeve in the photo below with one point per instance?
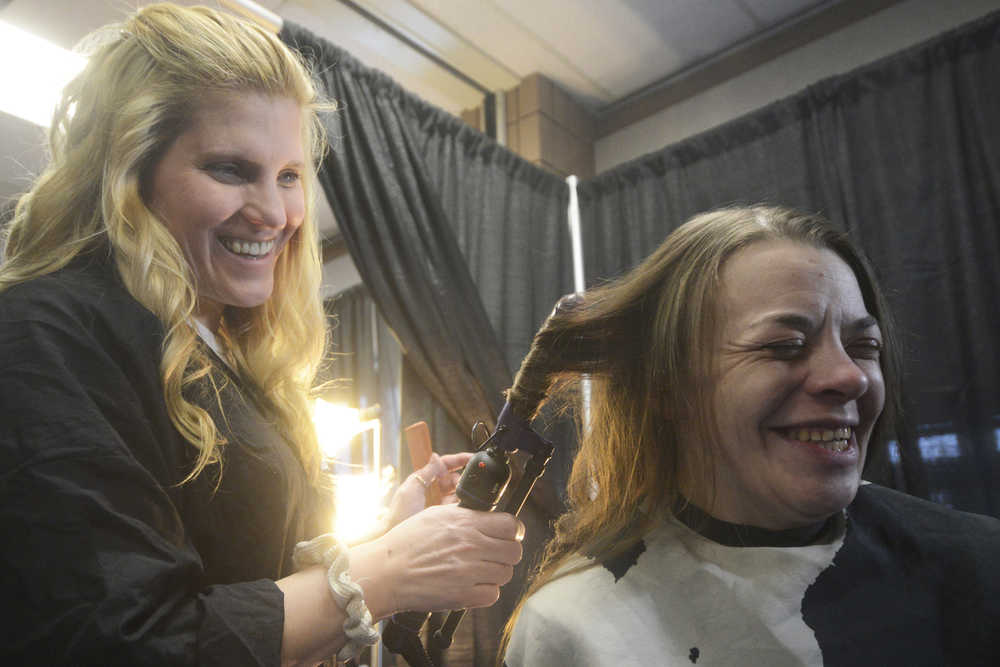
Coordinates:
(95, 564)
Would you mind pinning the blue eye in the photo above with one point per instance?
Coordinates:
(289, 178)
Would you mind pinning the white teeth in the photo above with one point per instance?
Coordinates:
(249, 248)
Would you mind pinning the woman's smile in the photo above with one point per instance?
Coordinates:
(229, 190)
(798, 386)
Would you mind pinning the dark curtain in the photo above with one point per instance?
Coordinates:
(904, 154)
(464, 248)
(509, 220)
(346, 372)
(462, 243)
(399, 235)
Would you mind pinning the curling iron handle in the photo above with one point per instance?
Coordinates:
(484, 480)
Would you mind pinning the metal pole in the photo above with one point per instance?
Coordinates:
(579, 282)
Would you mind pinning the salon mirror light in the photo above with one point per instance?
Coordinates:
(361, 482)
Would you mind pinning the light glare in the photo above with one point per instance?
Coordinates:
(335, 426)
(360, 503)
(359, 494)
(33, 74)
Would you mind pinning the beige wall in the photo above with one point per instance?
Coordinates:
(546, 127)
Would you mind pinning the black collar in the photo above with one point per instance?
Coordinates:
(738, 535)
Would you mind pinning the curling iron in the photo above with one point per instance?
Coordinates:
(484, 486)
(484, 482)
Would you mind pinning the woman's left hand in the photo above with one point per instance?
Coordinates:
(431, 485)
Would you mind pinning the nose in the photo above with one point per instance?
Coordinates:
(266, 207)
(834, 374)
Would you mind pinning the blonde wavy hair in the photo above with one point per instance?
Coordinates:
(141, 87)
(641, 340)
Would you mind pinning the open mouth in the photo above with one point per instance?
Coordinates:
(835, 439)
(249, 249)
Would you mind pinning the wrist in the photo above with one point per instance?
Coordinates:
(327, 551)
(372, 568)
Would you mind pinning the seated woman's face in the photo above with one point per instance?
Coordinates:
(229, 190)
(799, 385)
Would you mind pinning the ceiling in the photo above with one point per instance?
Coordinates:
(613, 56)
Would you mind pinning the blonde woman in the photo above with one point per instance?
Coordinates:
(160, 326)
(741, 376)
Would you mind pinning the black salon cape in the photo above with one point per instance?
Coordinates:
(106, 559)
(907, 583)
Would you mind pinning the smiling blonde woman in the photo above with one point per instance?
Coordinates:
(160, 327)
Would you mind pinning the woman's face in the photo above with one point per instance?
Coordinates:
(229, 189)
(798, 387)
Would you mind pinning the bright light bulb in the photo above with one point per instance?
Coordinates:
(33, 74)
(335, 426)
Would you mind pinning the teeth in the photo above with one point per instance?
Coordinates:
(249, 248)
(836, 440)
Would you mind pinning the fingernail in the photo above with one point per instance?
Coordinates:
(520, 532)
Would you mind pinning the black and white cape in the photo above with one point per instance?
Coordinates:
(902, 582)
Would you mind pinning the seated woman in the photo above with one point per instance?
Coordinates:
(740, 377)
(160, 328)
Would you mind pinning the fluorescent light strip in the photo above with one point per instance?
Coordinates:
(33, 74)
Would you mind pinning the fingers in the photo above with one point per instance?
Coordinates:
(501, 526)
(451, 557)
(454, 462)
(429, 479)
(503, 552)
(482, 595)
(433, 469)
(440, 476)
(422, 477)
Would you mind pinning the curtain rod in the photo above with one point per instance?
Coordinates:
(260, 15)
(273, 22)
(437, 60)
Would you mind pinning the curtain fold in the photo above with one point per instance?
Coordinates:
(462, 243)
(399, 235)
(463, 246)
(509, 219)
(904, 155)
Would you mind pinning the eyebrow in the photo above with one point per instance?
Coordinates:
(866, 322)
(239, 158)
(790, 320)
(796, 321)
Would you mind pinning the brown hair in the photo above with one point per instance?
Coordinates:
(640, 340)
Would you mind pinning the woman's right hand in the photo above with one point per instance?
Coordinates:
(445, 557)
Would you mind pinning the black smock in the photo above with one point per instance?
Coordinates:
(107, 559)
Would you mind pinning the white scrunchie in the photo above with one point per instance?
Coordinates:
(327, 550)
